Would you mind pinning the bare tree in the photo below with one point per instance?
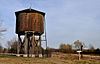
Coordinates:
(2, 30)
(9, 43)
(1, 48)
(48, 52)
(12, 45)
(79, 45)
(5, 50)
(65, 48)
(69, 48)
(91, 48)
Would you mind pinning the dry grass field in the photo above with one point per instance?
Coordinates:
(55, 59)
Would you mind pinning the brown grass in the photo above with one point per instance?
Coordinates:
(58, 58)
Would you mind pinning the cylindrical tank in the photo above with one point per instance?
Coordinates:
(29, 20)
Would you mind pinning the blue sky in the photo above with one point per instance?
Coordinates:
(67, 20)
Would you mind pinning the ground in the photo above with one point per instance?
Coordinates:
(57, 58)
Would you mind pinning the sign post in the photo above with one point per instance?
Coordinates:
(79, 54)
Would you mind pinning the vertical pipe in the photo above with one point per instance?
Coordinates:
(45, 32)
(81, 50)
(33, 46)
(28, 45)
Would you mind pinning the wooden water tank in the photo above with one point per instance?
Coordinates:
(29, 20)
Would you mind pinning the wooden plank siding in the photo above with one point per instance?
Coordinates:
(32, 21)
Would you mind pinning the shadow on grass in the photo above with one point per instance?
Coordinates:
(7, 56)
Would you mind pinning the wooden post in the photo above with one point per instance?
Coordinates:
(18, 46)
(39, 44)
(79, 54)
(40, 49)
(25, 45)
(33, 45)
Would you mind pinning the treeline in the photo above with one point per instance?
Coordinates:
(68, 48)
(74, 51)
(77, 46)
(11, 47)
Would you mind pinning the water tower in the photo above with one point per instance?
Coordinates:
(30, 25)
